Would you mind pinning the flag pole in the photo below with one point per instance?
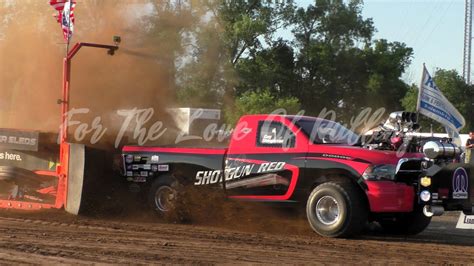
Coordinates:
(419, 94)
(67, 44)
(66, 77)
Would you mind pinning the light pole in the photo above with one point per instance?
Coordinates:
(63, 169)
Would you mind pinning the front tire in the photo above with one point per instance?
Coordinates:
(336, 209)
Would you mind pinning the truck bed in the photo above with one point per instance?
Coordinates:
(144, 163)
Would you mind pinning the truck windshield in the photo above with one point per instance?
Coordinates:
(321, 131)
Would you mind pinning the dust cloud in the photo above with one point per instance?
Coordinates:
(141, 74)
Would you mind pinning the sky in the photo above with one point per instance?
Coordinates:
(433, 28)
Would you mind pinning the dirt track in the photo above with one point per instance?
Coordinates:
(59, 238)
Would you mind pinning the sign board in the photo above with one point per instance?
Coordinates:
(28, 160)
(189, 120)
(465, 221)
(19, 140)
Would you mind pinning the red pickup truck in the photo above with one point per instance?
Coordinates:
(315, 163)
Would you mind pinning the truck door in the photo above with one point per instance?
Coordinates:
(265, 159)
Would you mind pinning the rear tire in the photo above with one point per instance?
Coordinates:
(337, 209)
(163, 197)
(411, 223)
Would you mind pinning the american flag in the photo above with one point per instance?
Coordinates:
(65, 15)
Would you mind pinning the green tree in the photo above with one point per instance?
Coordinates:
(246, 24)
(409, 101)
(331, 61)
(260, 102)
(272, 68)
(338, 64)
(228, 32)
(386, 63)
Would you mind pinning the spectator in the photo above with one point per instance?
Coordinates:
(469, 146)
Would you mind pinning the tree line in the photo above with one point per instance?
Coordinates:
(320, 56)
(253, 56)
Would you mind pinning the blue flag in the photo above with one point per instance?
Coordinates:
(433, 104)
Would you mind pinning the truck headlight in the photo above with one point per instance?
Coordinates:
(425, 195)
(380, 172)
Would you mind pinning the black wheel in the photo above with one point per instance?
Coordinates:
(406, 223)
(336, 210)
(163, 196)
